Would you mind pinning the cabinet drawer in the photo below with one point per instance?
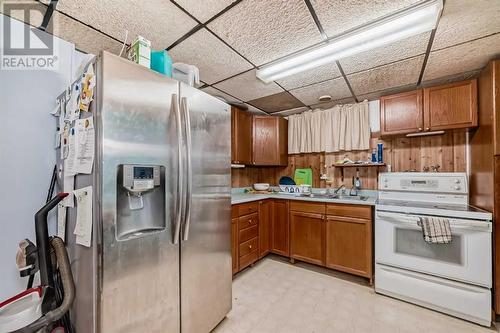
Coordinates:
(248, 208)
(248, 259)
(234, 211)
(249, 246)
(307, 207)
(248, 233)
(248, 221)
(343, 210)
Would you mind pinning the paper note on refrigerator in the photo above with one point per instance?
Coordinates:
(68, 187)
(84, 146)
(69, 151)
(72, 107)
(61, 221)
(83, 226)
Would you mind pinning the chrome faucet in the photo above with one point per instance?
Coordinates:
(335, 192)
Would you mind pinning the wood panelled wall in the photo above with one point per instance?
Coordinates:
(403, 154)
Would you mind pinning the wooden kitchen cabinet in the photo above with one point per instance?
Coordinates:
(241, 136)
(348, 237)
(401, 113)
(307, 237)
(451, 106)
(265, 221)
(270, 141)
(234, 244)
(234, 237)
(280, 237)
(443, 107)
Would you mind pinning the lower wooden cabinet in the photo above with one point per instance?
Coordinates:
(337, 236)
(234, 244)
(349, 245)
(280, 228)
(307, 237)
(265, 221)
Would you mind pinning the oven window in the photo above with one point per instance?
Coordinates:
(411, 242)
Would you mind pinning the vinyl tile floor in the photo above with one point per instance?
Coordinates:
(276, 296)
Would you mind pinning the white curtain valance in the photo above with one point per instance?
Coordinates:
(343, 127)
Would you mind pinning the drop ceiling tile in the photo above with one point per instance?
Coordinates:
(377, 94)
(331, 104)
(337, 16)
(217, 93)
(288, 112)
(402, 49)
(397, 74)
(215, 60)
(465, 20)
(462, 58)
(159, 21)
(277, 102)
(85, 39)
(254, 110)
(247, 86)
(266, 30)
(452, 78)
(204, 10)
(322, 73)
(337, 88)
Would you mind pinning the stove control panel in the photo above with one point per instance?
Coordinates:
(424, 182)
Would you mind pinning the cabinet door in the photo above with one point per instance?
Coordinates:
(401, 113)
(349, 245)
(265, 140)
(266, 216)
(234, 244)
(307, 237)
(280, 228)
(241, 130)
(450, 106)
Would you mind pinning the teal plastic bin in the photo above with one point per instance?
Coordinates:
(161, 62)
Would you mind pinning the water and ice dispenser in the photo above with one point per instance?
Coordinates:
(140, 202)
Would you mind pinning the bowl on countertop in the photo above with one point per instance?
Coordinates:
(261, 186)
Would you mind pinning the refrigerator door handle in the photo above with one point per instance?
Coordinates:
(180, 171)
(189, 181)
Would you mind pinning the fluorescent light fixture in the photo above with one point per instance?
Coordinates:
(400, 25)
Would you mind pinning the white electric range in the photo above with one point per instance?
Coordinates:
(453, 278)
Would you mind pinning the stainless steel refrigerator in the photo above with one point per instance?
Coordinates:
(160, 259)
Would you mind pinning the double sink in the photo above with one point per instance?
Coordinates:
(338, 196)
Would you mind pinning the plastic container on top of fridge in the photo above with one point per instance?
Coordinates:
(161, 62)
(186, 73)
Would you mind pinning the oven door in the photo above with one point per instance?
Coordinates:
(399, 242)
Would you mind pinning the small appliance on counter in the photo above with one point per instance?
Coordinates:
(454, 278)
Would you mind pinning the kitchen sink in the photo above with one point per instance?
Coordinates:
(338, 196)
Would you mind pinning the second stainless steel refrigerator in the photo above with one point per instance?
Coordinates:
(160, 259)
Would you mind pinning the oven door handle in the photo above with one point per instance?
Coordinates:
(411, 220)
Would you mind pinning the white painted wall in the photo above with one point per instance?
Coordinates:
(27, 155)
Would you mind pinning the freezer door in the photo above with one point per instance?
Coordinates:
(139, 286)
(206, 276)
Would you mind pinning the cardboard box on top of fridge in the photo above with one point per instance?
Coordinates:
(140, 51)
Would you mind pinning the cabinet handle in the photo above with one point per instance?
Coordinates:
(249, 221)
(427, 129)
(249, 247)
(420, 129)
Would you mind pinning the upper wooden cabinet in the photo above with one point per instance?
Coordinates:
(270, 140)
(450, 106)
(241, 133)
(436, 108)
(401, 113)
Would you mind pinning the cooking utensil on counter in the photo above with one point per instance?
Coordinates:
(261, 186)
